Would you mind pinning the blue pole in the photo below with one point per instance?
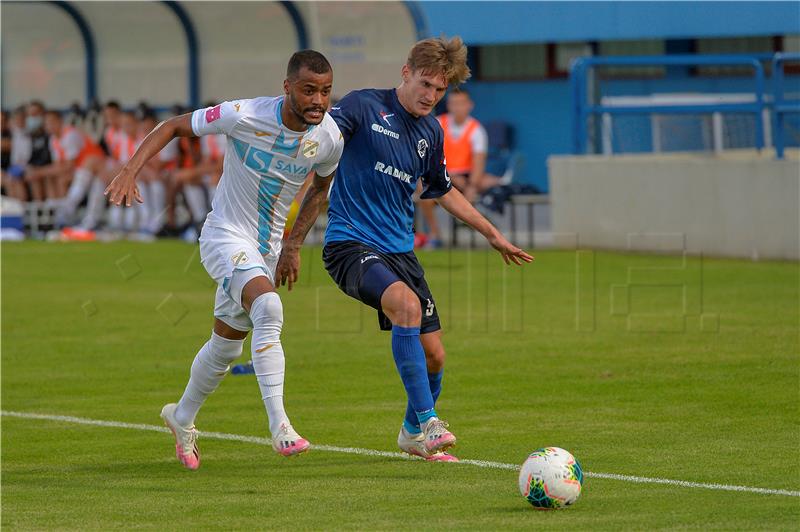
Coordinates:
(90, 51)
(299, 24)
(418, 17)
(760, 104)
(777, 102)
(193, 51)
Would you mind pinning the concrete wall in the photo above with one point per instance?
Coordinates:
(741, 205)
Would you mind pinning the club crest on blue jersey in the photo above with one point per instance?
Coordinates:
(422, 148)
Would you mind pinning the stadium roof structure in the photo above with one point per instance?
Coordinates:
(529, 22)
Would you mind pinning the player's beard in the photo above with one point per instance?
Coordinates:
(300, 113)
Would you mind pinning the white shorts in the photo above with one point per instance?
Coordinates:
(233, 260)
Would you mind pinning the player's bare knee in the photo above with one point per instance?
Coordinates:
(403, 308)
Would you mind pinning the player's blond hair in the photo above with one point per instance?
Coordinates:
(440, 55)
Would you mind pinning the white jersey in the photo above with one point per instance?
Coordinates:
(265, 164)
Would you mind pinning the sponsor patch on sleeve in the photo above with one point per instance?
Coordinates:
(214, 113)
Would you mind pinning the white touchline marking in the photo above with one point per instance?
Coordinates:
(388, 454)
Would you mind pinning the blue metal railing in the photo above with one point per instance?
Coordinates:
(780, 105)
(583, 108)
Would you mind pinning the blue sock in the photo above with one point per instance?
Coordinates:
(409, 357)
(411, 423)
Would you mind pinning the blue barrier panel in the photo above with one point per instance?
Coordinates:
(781, 106)
(582, 109)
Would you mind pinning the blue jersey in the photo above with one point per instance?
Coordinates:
(386, 151)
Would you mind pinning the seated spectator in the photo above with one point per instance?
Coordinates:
(153, 180)
(5, 147)
(19, 144)
(40, 149)
(74, 158)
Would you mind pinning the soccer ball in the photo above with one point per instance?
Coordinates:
(551, 478)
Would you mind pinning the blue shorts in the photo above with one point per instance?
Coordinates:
(351, 265)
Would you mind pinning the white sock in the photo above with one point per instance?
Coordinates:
(196, 201)
(129, 218)
(266, 313)
(116, 217)
(208, 369)
(77, 190)
(95, 205)
(143, 209)
(158, 203)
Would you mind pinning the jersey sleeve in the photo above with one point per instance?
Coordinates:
(217, 120)
(347, 115)
(436, 183)
(328, 166)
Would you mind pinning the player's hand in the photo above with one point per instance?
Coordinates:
(123, 188)
(288, 266)
(509, 251)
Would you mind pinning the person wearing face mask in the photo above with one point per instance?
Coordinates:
(40, 149)
(73, 156)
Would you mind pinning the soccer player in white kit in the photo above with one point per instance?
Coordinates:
(273, 144)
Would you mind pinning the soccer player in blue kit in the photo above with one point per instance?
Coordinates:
(392, 141)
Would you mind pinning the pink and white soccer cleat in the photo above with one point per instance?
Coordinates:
(288, 442)
(185, 438)
(414, 444)
(437, 437)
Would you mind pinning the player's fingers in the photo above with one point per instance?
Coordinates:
(505, 258)
(138, 195)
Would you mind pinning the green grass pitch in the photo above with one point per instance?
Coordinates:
(648, 366)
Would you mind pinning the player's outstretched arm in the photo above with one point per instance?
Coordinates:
(123, 188)
(456, 204)
(289, 263)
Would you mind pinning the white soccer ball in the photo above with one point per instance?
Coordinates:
(551, 478)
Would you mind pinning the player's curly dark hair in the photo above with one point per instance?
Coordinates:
(311, 59)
